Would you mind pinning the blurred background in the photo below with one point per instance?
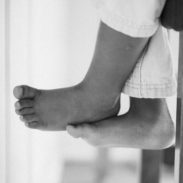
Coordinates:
(49, 44)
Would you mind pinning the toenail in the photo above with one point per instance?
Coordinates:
(21, 118)
(17, 111)
(17, 105)
(20, 90)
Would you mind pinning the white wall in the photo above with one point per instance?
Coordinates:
(49, 44)
(2, 93)
(43, 47)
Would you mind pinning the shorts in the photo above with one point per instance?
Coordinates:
(153, 75)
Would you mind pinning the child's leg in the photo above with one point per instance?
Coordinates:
(96, 97)
(147, 125)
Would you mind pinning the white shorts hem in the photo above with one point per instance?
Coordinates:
(149, 91)
(126, 26)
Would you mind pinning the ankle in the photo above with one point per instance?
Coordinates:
(100, 91)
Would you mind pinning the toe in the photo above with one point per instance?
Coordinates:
(83, 130)
(88, 132)
(33, 124)
(18, 92)
(29, 118)
(24, 91)
(23, 104)
(25, 111)
(74, 131)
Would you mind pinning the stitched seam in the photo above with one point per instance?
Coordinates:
(149, 86)
(130, 25)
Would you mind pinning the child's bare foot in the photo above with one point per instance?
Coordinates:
(54, 109)
(147, 125)
(96, 98)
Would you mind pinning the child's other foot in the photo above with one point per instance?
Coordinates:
(54, 109)
(147, 125)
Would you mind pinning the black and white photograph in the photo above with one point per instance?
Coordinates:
(91, 91)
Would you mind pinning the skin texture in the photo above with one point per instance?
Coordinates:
(95, 98)
(147, 125)
(89, 110)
